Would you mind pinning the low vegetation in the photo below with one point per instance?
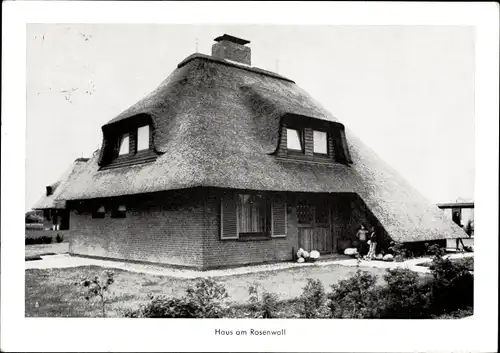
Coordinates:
(98, 287)
(392, 294)
(45, 239)
(403, 296)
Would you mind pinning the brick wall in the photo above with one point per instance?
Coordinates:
(187, 233)
(153, 231)
(230, 252)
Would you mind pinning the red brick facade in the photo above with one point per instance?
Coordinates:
(187, 234)
(230, 252)
(154, 230)
(181, 228)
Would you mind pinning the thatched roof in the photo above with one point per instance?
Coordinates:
(216, 124)
(53, 201)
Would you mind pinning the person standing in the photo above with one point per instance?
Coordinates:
(362, 236)
(373, 243)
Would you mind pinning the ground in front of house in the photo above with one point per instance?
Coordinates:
(31, 251)
(52, 292)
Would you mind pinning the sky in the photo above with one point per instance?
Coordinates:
(406, 91)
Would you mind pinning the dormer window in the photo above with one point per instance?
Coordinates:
(143, 138)
(124, 145)
(312, 140)
(320, 142)
(128, 142)
(294, 140)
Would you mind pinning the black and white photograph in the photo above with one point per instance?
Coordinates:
(320, 173)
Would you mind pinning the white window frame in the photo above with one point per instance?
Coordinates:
(289, 132)
(122, 145)
(316, 138)
(143, 143)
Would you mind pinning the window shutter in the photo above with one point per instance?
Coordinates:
(228, 218)
(279, 217)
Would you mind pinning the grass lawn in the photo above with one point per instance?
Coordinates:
(57, 295)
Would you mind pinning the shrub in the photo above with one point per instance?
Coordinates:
(59, 238)
(404, 297)
(205, 300)
(39, 240)
(436, 251)
(262, 303)
(356, 297)
(399, 251)
(313, 300)
(166, 307)
(208, 297)
(98, 287)
(130, 313)
(452, 287)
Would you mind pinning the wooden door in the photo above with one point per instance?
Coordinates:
(314, 225)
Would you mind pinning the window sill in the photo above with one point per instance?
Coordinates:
(254, 237)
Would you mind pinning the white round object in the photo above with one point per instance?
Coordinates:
(300, 252)
(305, 254)
(388, 257)
(300, 260)
(314, 254)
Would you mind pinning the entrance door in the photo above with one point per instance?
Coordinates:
(314, 224)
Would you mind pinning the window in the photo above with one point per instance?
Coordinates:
(320, 142)
(99, 213)
(305, 213)
(252, 214)
(294, 140)
(143, 138)
(124, 145)
(119, 212)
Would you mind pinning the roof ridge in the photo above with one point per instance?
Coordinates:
(232, 64)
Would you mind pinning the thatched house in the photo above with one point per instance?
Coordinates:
(226, 164)
(55, 213)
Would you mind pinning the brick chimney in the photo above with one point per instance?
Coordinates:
(232, 49)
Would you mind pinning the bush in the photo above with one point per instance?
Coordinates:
(313, 300)
(262, 303)
(404, 297)
(452, 287)
(59, 238)
(400, 251)
(208, 298)
(205, 300)
(130, 313)
(356, 297)
(166, 307)
(40, 240)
